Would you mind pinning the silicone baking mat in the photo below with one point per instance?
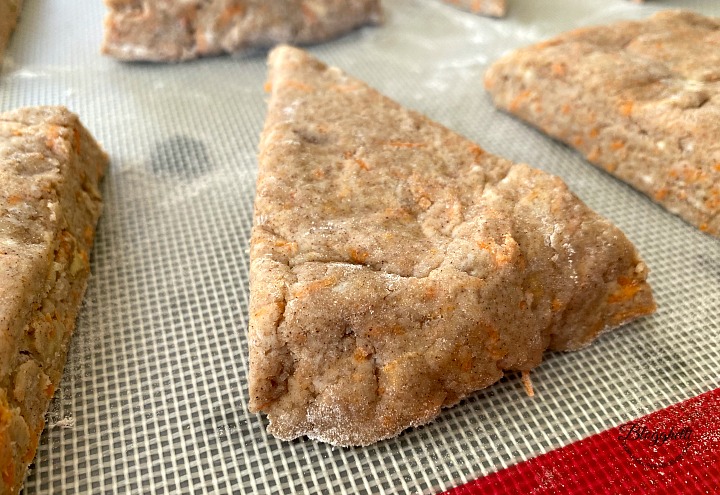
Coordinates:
(153, 399)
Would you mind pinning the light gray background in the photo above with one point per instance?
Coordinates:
(154, 400)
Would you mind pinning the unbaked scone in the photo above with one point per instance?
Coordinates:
(169, 30)
(9, 13)
(640, 99)
(397, 267)
(50, 167)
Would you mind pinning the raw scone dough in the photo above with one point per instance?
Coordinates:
(396, 267)
(50, 168)
(639, 99)
(494, 8)
(9, 13)
(169, 30)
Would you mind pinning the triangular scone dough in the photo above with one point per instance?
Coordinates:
(639, 99)
(396, 267)
(50, 167)
(9, 13)
(169, 30)
(494, 8)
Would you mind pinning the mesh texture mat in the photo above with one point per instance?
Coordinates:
(153, 399)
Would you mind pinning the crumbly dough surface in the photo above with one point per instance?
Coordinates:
(50, 168)
(396, 267)
(9, 13)
(494, 8)
(171, 30)
(639, 99)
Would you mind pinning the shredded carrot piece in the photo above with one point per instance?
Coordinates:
(497, 251)
(617, 144)
(476, 150)
(661, 194)
(527, 384)
(430, 293)
(627, 290)
(268, 87)
(626, 281)
(594, 155)
(358, 255)
(559, 69)
(693, 174)
(626, 108)
(229, 14)
(713, 203)
(515, 104)
(52, 136)
(402, 144)
(298, 85)
(30, 454)
(362, 164)
(624, 294)
(565, 109)
(360, 354)
(611, 167)
(315, 286)
(88, 234)
(551, 42)
(484, 245)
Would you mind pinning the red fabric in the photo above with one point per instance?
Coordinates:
(627, 459)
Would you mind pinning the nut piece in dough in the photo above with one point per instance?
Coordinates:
(396, 267)
(638, 99)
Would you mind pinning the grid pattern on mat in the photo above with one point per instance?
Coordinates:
(153, 399)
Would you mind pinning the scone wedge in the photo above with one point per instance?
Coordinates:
(396, 267)
(50, 168)
(640, 99)
(493, 8)
(171, 31)
(9, 13)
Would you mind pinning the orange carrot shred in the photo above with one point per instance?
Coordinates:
(626, 108)
(527, 384)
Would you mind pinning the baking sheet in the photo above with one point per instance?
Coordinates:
(153, 399)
